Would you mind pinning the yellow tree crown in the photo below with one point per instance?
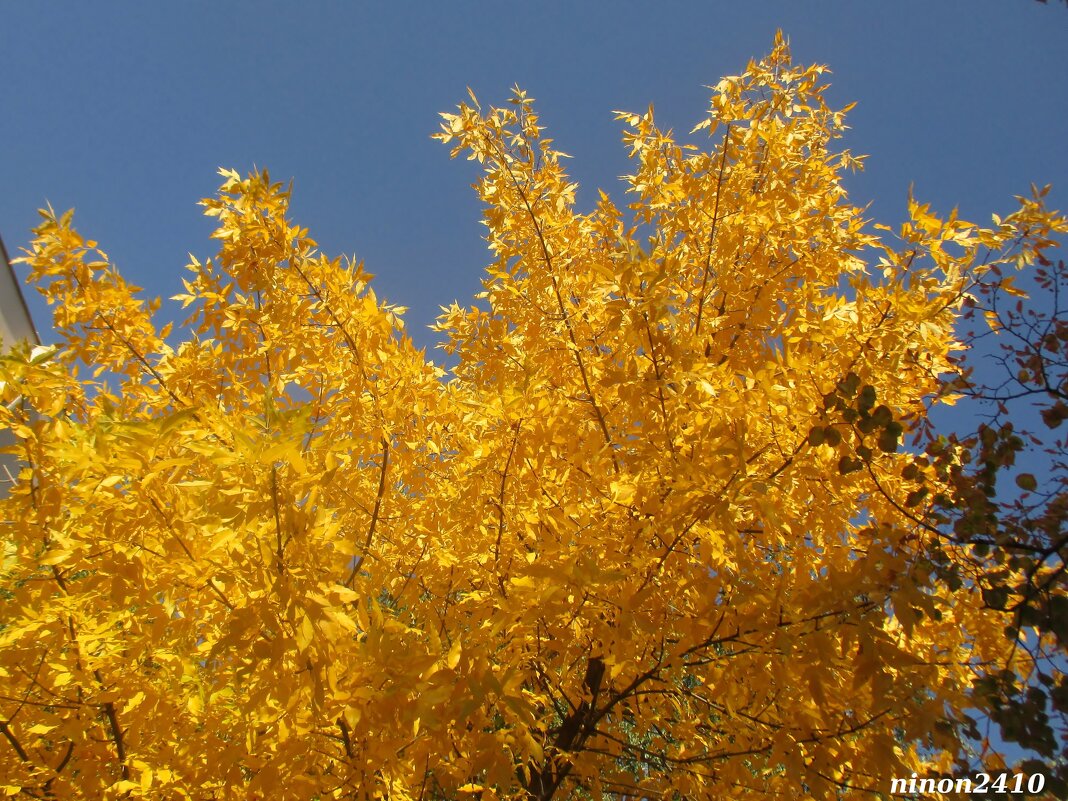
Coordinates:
(658, 536)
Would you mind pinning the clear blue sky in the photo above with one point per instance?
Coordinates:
(124, 112)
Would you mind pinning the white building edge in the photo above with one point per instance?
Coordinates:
(15, 325)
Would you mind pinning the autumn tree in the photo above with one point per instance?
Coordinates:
(660, 534)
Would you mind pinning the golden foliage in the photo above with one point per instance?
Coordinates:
(658, 535)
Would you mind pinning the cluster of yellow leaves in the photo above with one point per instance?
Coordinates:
(658, 535)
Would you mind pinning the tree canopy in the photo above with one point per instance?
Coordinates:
(667, 530)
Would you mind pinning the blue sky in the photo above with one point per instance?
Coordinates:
(124, 112)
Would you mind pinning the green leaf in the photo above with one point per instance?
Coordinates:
(847, 464)
(996, 597)
(882, 416)
(915, 497)
(887, 441)
(847, 387)
(867, 398)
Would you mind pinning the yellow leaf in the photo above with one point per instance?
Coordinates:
(454, 654)
(623, 492)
